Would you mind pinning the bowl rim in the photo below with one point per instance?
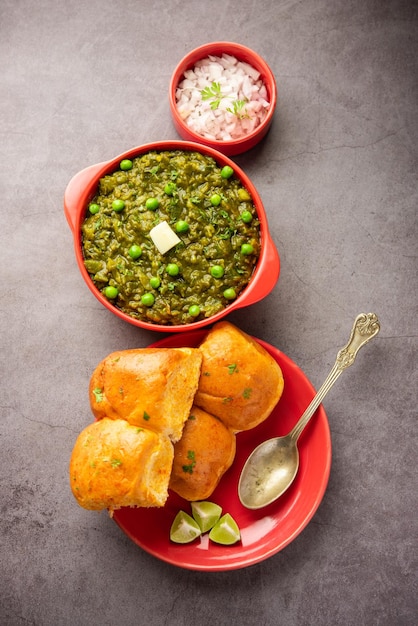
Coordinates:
(244, 53)
(82, 187)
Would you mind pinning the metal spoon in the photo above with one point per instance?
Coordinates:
(272, 466)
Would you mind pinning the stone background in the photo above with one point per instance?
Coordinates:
(80, 83)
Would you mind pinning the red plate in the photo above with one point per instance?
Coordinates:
(266, 531)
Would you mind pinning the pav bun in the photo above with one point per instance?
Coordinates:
(114, 464)
(202, 456)
(167, 419)
(148, 387)
(240, 382)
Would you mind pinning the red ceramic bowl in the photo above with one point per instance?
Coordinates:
(241, 53)
(83, 186)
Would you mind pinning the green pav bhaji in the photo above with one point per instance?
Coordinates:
(216, 247)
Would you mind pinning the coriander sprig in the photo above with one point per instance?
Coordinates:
(212, 93)
(238, 109)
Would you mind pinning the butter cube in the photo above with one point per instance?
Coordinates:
(164, 237)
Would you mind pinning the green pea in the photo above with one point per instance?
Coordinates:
(227, 171)
(246, 216)
(182, 226)
(173, 269)
(152, 204)
(111, 292)
(147, 299)
(118, 205)
(94, 208)
(135, 252)
(215, 200)
(170, 188)
(247, 248)
(155, 282)
(217, 271)
(194, 310)
(126, 164)
(230, 293)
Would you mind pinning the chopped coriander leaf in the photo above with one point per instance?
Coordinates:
(146, 416)
(191, 457)
(247, 393)
(98, 393)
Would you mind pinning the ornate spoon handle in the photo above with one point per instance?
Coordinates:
(366, 326)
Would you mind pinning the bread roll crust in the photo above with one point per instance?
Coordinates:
(240, 382)
(147, 399)
(148, 387)
(114, 464)
(202, 456)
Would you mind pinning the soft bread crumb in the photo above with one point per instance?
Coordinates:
(114, 464)
(150, 387)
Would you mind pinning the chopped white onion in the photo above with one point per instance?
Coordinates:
(238, 108)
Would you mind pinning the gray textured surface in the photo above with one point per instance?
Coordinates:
(80, 83)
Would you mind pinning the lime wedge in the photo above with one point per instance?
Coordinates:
(184, 528)
(225, 531)
(206, 514)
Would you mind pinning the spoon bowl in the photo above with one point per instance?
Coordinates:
(269, 471)
(272, 466)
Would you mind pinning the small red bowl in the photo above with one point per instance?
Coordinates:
(241, 53)
(83, 186)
